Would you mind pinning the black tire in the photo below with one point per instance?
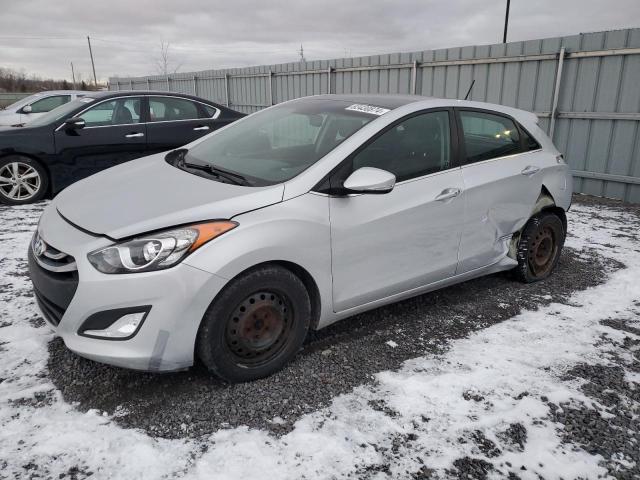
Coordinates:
(255, 326)
(18, 190)
(539, 247)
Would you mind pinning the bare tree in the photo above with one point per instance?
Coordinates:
(164, 62)
(20, 81)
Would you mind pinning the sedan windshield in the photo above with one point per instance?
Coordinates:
(61, 112)
(277, 144)
(20, 103)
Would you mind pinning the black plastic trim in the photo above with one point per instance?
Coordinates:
(52, 313)
(56, 288)
(77, 227)
(104, 319)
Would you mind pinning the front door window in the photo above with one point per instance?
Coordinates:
(121, 111)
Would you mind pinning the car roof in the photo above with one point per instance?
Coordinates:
(58, 92)
(392, 102)
(130, 93)
(386, 101)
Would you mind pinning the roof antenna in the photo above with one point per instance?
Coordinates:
(470, 87)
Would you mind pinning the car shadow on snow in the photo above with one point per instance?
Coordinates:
(333, 360)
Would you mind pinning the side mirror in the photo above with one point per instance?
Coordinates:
(370, 180)
(26, 109)
(74, 123)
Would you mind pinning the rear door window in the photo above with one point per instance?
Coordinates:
(488, 136)
(166, 109)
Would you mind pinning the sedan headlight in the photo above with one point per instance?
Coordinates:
(157, 251)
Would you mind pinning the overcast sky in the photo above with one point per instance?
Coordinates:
(43, 36)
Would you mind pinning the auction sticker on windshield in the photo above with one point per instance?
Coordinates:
(357, 107)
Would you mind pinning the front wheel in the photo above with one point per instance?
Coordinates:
(22, 180)
(539, 247)
(255, 326)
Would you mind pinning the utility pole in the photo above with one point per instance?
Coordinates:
(73, 75)
(506, 22)
(93, 65)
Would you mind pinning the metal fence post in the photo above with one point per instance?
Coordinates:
(118, 85)
(329, 70)
(270, 92)
(556, 94)
(130, 84)
(195, 85)
(168, 84)
(148, 84)
(226, 89)
(414, 76)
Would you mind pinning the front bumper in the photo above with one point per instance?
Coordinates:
(178, 296)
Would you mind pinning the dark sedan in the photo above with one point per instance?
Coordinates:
(96, 132)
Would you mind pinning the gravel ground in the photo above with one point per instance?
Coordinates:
(191, 405)
(333, 361)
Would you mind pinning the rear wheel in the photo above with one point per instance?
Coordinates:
(539, 247)
(22, 180)
(255, 326)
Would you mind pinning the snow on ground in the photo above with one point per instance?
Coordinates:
(436, 416)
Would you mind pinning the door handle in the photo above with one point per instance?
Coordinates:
(201, 128)
(530, 170)
(448, 193)
(134, 135)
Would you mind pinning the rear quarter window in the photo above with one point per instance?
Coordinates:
(209, 111)
(530, 143)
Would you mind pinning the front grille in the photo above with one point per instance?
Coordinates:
(55, 279)
(51, 258)
(52, 313)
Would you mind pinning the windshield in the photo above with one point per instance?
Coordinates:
(23, 101)
(60, 112)
(277, 144)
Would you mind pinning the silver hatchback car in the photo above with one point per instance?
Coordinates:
(230, 249)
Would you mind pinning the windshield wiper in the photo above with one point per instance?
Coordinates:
(178, 157)
(232, 177)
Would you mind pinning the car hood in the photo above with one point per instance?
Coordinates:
(13, 136)
(149, 194)
(8, 118)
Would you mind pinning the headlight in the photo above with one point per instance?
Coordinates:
(157, 251)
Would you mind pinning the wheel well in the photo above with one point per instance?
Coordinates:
(48, 194)
(305, 277)
(553, 208)
(545, 203)
(560, 213)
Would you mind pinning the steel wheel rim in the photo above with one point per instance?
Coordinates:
(19, 181)
(259, 326)
(543, 251)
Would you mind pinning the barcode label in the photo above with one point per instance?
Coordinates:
(357, 107)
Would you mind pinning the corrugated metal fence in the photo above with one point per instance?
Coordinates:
(585, 89)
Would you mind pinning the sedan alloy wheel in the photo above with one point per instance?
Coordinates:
(19, 181)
